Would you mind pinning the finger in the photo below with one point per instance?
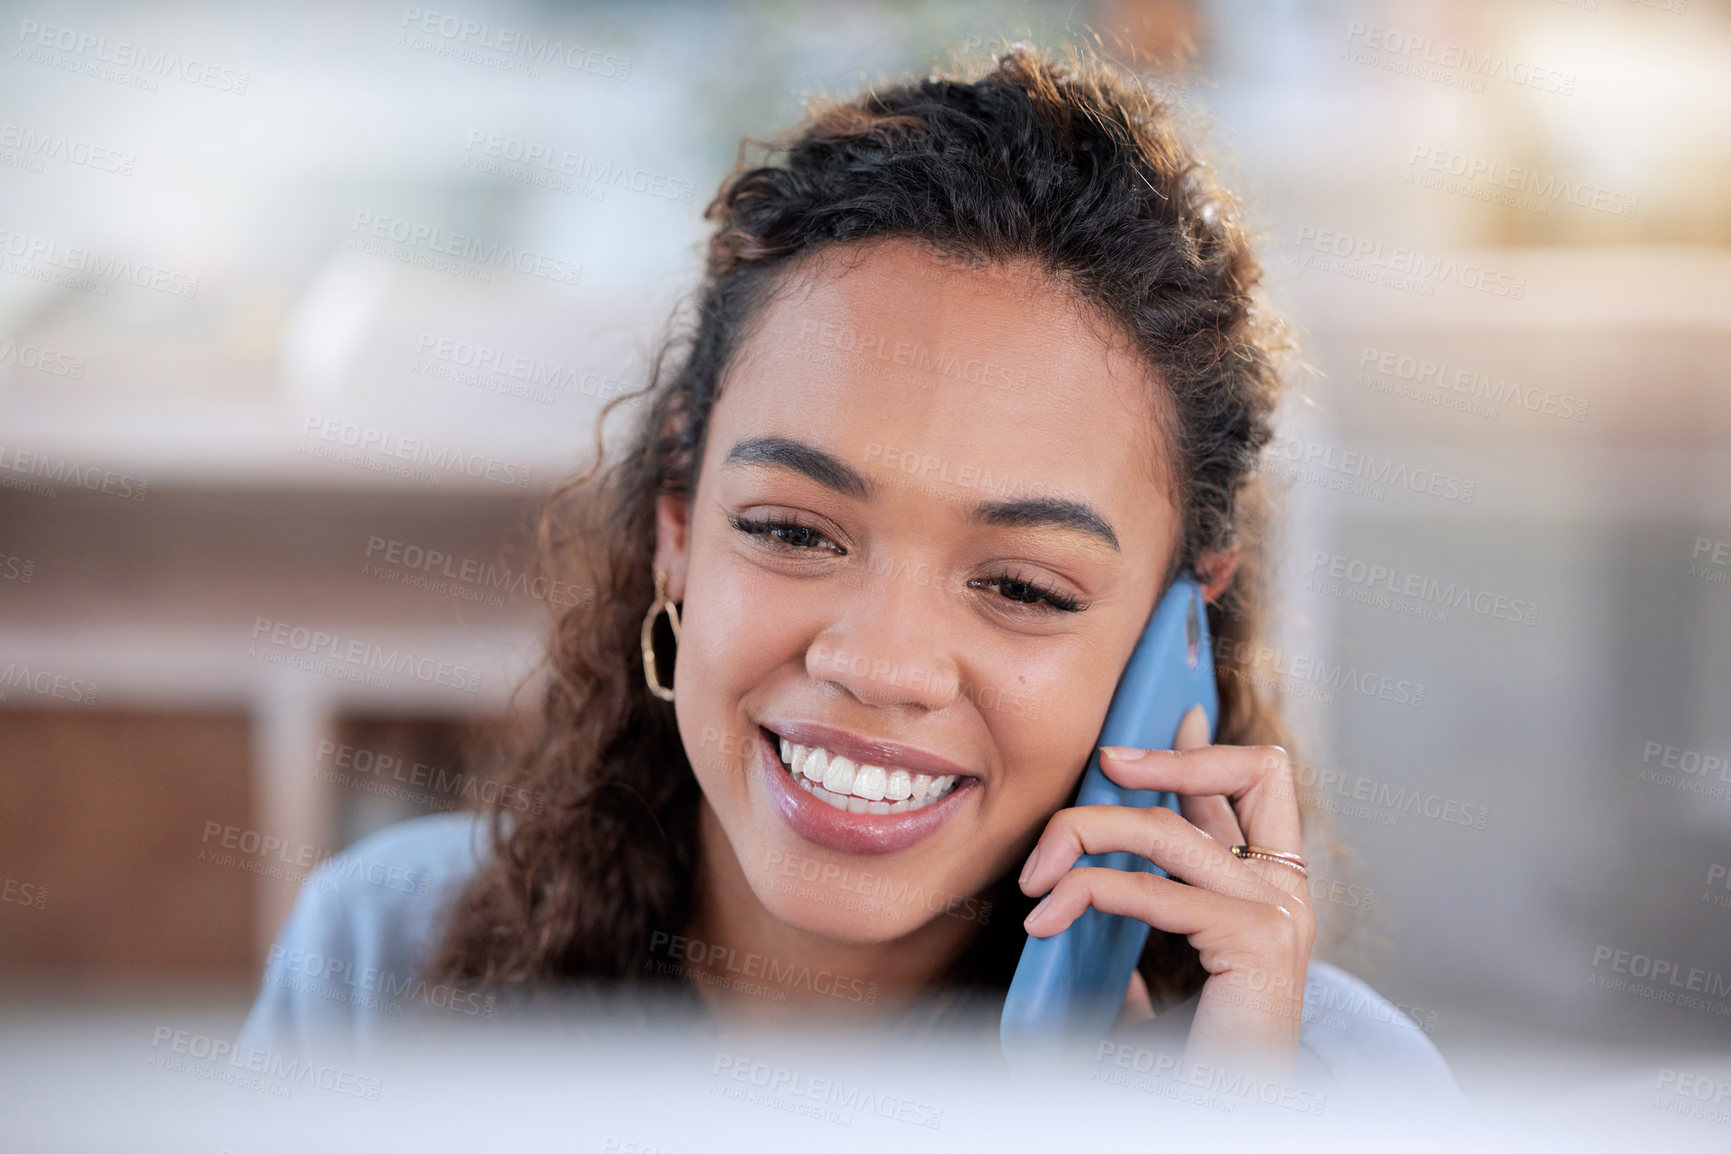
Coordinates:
(1257, 779)
(1165, 905)
(1209, 812)
(1138, 1004)
(1262, 946)
(1155, 833)
(1192, 730)
(1213, 815)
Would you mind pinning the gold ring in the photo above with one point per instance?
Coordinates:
(1287, 859)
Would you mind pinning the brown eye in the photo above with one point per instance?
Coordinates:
(1012, 587)
(787, 532)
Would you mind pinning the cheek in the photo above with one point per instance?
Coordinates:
(1046, 725)
(731, 643)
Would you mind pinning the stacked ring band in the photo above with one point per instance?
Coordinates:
(1287, 859)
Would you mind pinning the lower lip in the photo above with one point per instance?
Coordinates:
(861, 833)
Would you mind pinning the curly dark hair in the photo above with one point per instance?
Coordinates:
(1072, 164)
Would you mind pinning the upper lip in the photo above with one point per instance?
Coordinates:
(867, 750)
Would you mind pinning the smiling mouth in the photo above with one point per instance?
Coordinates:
(872, 789)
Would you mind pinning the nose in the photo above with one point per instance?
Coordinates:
(889, 648)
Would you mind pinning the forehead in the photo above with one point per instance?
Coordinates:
(902, 360)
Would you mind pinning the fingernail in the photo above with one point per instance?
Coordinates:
(1123, 752)
(1028, 869)
(1034, 914)
(1193, 729)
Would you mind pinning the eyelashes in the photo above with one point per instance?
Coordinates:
(1031, 592)
(774, 527)
(790, 536)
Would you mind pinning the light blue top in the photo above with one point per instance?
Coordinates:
(348, 964)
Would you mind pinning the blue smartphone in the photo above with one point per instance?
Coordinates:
(1071, 985)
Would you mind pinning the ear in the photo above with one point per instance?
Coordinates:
(672, 541)
(1217, 567)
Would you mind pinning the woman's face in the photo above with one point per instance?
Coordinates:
(930, 523)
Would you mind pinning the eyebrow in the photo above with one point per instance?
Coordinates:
(833, 473)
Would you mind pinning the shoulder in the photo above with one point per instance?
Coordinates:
(1364, 1041)
(364, 927)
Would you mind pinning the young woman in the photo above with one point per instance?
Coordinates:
(976, 370)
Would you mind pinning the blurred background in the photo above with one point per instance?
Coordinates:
(267, 393)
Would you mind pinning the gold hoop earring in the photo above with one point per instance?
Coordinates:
(661, 601)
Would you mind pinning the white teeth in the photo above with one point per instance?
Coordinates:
(839, 777)
(872, 789)
(870, 782)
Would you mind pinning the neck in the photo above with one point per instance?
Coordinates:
(745, 949)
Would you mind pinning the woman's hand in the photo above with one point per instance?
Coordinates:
(1249, 919)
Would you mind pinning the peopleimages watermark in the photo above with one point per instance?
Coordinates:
(1711, 561)
(1414, 594)
(749, 972)
(373, 771)
(502, 47)
(46, 683)
(1675, 7)
(1336, 1006)
(351, 658)
(929, 469)
(494, 370)
(1409, 270)
(122, 62)
(42, 359)
(1693, 1096)
(825, 1098)
(543, 165)
(19, 569)
(256, 852)
(1381, 802)
(1359, 899)
(338, 979)
(365, 447)
(27, 894)
(1718, 878)
(1689, 770)
(831, 343)
(1197, 1083)
(1422, 56)
(31, 148)
(18, 464)
(1308, 676)
(615, 1145)
(1661, 979)
(819, 878)
(1527, 189)
(400, 562)
(87, 270)
(828, 658)
(1359, 473)
(431, 247)
(1464, 390)
(250, 1068)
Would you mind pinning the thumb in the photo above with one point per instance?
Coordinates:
(1138, 1006)
(1192, 730)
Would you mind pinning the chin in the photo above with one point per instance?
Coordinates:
(856, 906)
